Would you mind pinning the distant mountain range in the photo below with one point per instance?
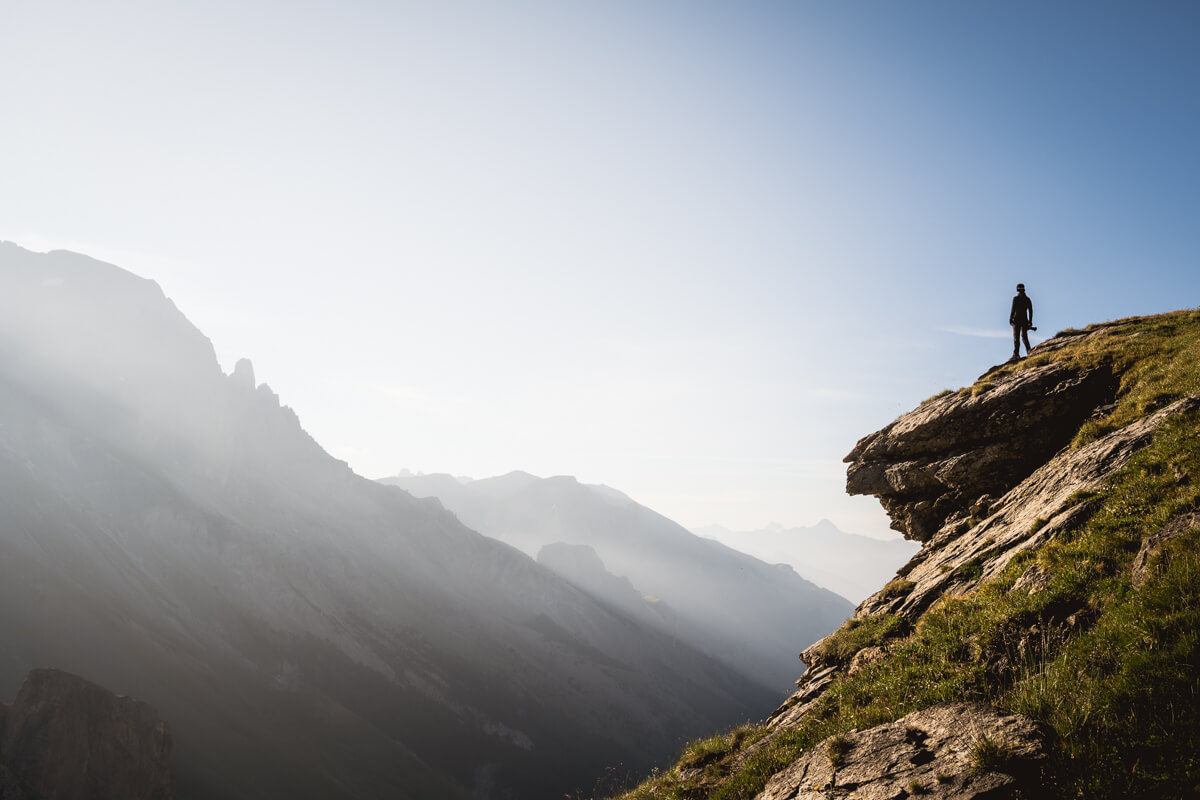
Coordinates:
(747, 613)
(171, 532)
(851, 565)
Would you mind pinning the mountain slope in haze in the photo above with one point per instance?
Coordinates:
(1045, 640)
(851, 565)
(172, 532)
(749, 614)
(580, 565)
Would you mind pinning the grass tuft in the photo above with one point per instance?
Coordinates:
(989, 755)
(837, 749)
(859, 632)
(897, 587)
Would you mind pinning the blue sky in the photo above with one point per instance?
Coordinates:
(690, 250)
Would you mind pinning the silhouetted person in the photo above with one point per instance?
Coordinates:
(1021, 319)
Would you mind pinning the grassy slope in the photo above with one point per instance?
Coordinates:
(1115, 671)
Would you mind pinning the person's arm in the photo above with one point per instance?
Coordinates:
(1031, 313)
(1012, 314)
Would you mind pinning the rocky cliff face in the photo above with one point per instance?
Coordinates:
(934, 466)
(65, 738)
(1044, 641)
(981, 477)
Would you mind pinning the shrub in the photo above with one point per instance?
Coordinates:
(989, 755)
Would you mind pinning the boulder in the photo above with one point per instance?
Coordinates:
(960, 750)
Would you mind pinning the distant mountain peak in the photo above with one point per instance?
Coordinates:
(243, 374)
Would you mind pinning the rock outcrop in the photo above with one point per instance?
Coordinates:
(1032, 512)
(941, 460)
(65, 738)
(1040, 642)
(960, 751)
(979, 477)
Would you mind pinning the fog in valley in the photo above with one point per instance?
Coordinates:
(698, 590)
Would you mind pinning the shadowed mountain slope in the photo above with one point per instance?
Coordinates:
(172, 533)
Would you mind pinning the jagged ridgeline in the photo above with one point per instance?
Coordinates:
(172, 533)
(1045, 641)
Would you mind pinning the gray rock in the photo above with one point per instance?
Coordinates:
(960, 751)
(810, 687)
(864, 658)
(1032, 580)
(943, 456)
(1036, 510)
(1149, 555)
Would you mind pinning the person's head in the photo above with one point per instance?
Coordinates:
(1021, 288)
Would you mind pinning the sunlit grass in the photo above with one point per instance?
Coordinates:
(859, 632)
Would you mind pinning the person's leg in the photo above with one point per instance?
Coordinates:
(1025, 336)
(1016, 341)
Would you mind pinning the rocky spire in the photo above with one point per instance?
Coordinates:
(243, 374)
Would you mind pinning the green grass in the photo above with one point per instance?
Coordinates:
(989, 755)
(836, 749)
(938, 396)
(981, 387)
(1114, 670)
(972, 570)
(859, 632)
(1156, 357)
(897, 587)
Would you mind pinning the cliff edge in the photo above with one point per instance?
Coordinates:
(1045, 640)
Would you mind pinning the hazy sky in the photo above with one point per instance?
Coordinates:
(691, 250)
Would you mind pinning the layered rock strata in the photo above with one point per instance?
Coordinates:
(64, 738)
(938, 462)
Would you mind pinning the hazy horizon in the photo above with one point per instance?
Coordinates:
(692, 252)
